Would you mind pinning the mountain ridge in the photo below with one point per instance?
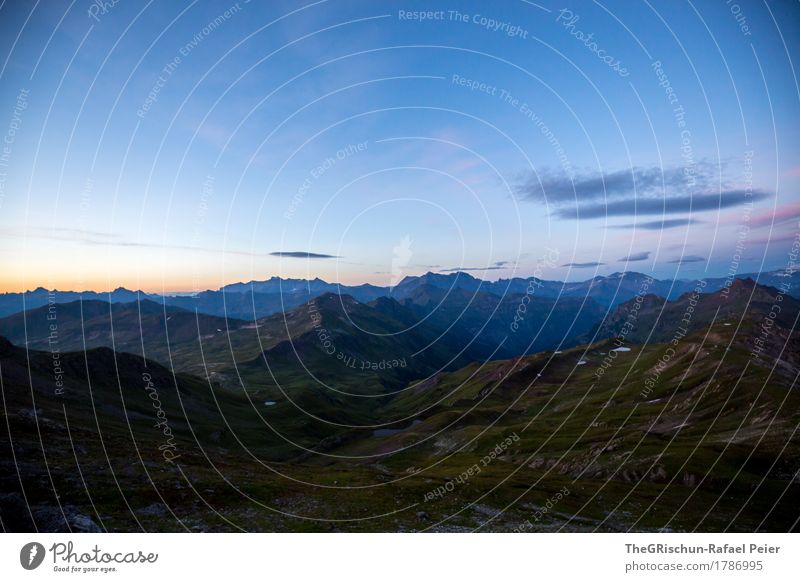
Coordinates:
(257, 299)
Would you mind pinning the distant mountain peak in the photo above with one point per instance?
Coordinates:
(746, 287)
(463, 274)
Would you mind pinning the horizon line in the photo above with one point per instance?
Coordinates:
(447, 274)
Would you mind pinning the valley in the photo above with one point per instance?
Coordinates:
(281, 425)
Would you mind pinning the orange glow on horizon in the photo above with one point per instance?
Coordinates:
(156, 284)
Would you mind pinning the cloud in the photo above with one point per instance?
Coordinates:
(60, 233)
(643, 256)
(773, 217)
(559, 187)
(497, 265)
(635, 191)
(457, 269)
(669, 205)
(96, 238)
(106, 239)
(687, 259)
(302, 255)
(583, 265)
(660, 224)
(775, 238)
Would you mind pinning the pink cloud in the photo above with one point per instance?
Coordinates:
(775, 216)
(775, 238)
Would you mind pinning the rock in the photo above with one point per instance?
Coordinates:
(52, 519)
(658, 475)
(83, 523)
(49, 519)
(423, 515)
(537, 463)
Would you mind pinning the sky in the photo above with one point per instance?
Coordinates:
(175, 147)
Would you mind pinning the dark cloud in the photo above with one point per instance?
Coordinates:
(670, 205)
(558, 188)
(637, 191)
(660, 224)
(582, 265)
(687, 259)
(643, 256)
(302, 255)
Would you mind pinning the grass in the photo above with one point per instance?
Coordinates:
(710, 448)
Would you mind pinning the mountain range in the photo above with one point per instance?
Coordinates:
(431, 329)
(261, 298)
(655, 414)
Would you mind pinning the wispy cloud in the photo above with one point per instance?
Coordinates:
(773, 217)
(106, 239)
(636, 191)
(643, 256)
(687, 259)
(660, 224)
(583, 265)
(497, 265)
(302, 255)
(61, 233)
(775, 238)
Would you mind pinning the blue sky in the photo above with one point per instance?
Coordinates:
(180, 146)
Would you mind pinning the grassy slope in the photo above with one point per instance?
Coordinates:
(710, 439)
